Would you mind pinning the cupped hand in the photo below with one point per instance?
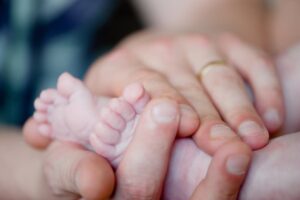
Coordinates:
(190, 69)
(72, 172)
(143, 169)
(144, 166)
(69, 171)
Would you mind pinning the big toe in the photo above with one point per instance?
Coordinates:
(68, 84)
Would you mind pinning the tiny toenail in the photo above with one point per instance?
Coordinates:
(221, 131)
(272, 118)
(133, 92)
(237, 164)
(251, 129)
(164, 112)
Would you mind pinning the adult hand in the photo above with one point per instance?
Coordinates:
(170, 66)
(141, 172)
(143, 168)
(70, 172)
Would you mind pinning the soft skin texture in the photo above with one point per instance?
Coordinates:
(289, 70)
(153, 142)
(72, 113)
(155, 60)
(210, 13)
(276, 165)
(110, 127)
(63, 171)
(284, 30)
(207, 188)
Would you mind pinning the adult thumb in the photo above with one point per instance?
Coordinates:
(74, 172)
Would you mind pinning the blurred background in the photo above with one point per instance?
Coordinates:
(40, 39)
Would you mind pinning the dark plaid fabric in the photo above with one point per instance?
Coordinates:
(40, 39)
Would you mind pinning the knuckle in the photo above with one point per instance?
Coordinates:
(157, 85)
(118, 55)
(172, 95)
(240, 113)
(209, 118)
(165, 91)
(194, 93)
(146, 74)
(259, 59)
(162, 44)
(162, 48)
(262, 62)
(191, 87)
(197, 39)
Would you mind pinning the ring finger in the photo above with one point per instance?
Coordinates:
(226, 89)
(165, 58)
(130, 70)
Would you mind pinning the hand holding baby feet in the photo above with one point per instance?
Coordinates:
(72, 113)
(114, 131)
(67, 113)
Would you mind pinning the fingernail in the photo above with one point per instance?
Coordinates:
(221, 131)
(237, 164)
(164, 112)
(272, 118)
(187, 112)
(250, 129)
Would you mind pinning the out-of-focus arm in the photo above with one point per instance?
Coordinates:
(20, 167)
(246, 18)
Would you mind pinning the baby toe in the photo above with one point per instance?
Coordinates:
(123, 108)
(105, 150)
(112, 119)
(136, 95)
(40, 117)
(67, 84)
(39, 105)
(48, 96)
(106, 134)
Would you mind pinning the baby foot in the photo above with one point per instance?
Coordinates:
(114, 131)
(67, 113)
(72, 113)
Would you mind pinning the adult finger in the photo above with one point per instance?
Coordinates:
(130, 70)
(33, 137)
(143, 168)
(225, 174)
(259, 71)
(166, 57)
(213, 131)
(227, 91)
(73, 172)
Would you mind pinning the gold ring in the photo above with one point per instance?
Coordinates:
(205, 68)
